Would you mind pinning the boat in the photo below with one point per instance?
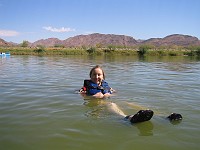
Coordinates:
(4, 54)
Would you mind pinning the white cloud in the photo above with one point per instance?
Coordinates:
(62, 29)
(8, 33)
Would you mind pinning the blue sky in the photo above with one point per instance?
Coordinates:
(142, 19)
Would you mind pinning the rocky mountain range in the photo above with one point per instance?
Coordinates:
(3, 43)
(111, 39)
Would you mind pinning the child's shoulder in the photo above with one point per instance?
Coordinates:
(86, 81)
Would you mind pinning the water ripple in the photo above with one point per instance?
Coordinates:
(39, 109)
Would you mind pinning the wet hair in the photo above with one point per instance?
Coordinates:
(95, 67)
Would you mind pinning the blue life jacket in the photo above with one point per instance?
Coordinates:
(92, 88)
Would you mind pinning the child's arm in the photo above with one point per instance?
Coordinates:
(98, 95)
(101, 95)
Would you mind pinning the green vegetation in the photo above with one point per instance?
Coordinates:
(39, 50)
(193, 51)
(91, 50)
(142, 50)
(24, 44)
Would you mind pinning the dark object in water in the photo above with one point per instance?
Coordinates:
(175, 117)
(140, 116)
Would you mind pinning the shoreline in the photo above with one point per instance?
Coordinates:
(140, 51)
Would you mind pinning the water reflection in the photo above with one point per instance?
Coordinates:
(145, 128)
(96, 107)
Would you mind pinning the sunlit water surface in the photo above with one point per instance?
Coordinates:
(41, 110)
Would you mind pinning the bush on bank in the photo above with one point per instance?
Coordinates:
(143, 50)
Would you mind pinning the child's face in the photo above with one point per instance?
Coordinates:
(97, 76)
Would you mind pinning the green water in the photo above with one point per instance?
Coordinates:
(41, 110)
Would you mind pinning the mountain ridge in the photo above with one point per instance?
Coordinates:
(102, 40)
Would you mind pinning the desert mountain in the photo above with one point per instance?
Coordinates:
(99, 39)
(50, 42)
(175, 39)
(103, 40)
(119, 40)
(4, 43)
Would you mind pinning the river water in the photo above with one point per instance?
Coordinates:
(40, 108)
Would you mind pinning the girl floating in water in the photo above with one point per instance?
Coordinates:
(97, 87)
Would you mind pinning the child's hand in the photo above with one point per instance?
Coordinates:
(81, 91)
(106, 95)
(112, 90)
(98, 95)
(101, 95)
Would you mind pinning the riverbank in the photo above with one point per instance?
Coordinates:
(141, 51)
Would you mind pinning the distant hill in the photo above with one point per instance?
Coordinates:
(5, 44)
(101, 40)
(175, 39)
(50, 42)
